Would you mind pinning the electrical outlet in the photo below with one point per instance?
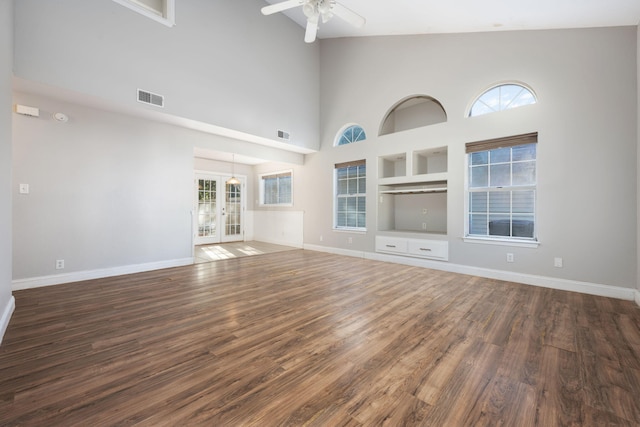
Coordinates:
(557, 262)
(424, 225)
(350, 240)
(424, 211)
(321, 238)
(509, 257)
(59, 264)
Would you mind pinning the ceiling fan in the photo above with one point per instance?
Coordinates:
(316, 10)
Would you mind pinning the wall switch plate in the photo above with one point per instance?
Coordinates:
(557, 262)
(509, 257)
(24, 188)
(350, 240)
(424, 225)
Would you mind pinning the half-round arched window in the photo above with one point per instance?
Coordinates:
(502, 97)
(352, 133)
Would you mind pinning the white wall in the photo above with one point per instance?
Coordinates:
(107, 191)
(224, 63)
(6, 60)
(586, 118)
(638, 165)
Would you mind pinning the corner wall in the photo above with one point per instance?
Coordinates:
(638, 164)
(586, 117)
(7, 302)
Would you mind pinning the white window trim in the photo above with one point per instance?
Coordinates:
(261, 189)
(361, 230)
(498, 240)
(338, 137)
(168, 18)
(493, 86)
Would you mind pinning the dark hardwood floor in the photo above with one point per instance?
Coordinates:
(306, 338)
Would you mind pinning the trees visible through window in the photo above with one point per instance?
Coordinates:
(350, 200)
(276, 188)
(351, 134)
(501, 188)
(503, 97)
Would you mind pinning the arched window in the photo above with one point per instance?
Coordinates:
(352, 133)
(502, 97)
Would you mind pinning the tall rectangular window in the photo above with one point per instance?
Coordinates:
(276, 188)
(501, 188)
(350, 201)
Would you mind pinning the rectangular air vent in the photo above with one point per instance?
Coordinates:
(283, 135)
(150, 98)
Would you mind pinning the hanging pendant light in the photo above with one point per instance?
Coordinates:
(233, 180)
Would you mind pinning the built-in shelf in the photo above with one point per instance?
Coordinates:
(412, 192)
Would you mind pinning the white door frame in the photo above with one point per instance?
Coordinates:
(220, 235)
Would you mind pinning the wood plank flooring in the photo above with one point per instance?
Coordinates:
(305, 338)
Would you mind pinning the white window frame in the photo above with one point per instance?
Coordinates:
(496, 86)
(502, 240)
(261, 185)
(340, 134)
(337, 196)
(166, 17)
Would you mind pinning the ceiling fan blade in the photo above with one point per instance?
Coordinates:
(348, 15)
(312, 30)
(282, 6)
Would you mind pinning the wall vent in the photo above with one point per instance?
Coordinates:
(283, 135)
(150, 98)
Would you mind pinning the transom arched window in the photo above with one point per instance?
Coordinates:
(502, 97)
(352, 133)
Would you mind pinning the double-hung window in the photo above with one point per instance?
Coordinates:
(350, 195)
(276, 188)
(501, 188)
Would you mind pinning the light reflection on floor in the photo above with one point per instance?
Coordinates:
(220, 251)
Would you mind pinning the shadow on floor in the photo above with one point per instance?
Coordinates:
(218, 251)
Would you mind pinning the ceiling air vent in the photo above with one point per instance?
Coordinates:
(283, 135)
(150, 98)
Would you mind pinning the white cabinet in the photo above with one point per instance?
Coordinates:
(421, 248)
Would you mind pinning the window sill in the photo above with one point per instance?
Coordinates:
(502, 242)
(351, 230)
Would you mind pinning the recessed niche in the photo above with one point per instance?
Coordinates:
(393, 165)
(411, 113)
(430, 161)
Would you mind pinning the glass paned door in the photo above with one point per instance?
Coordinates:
(233, 213)
(207, 211)
(219, 210)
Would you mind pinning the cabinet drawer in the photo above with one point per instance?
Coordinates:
(391, 244)
(428, 249)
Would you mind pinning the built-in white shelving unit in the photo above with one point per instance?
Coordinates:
(412, 205)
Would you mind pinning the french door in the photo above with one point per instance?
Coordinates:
(219, 212)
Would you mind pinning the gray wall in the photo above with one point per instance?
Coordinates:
(224, 63)
(6, 61)
(586, 118)
(638, 166)
(106, 189)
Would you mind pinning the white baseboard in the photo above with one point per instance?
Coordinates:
(509, 276)
(57, 279)
(6, 316)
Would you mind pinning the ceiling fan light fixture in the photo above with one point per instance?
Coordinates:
(324, 7)
(309, 9)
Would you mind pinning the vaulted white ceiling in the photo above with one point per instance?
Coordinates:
(392, 17)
